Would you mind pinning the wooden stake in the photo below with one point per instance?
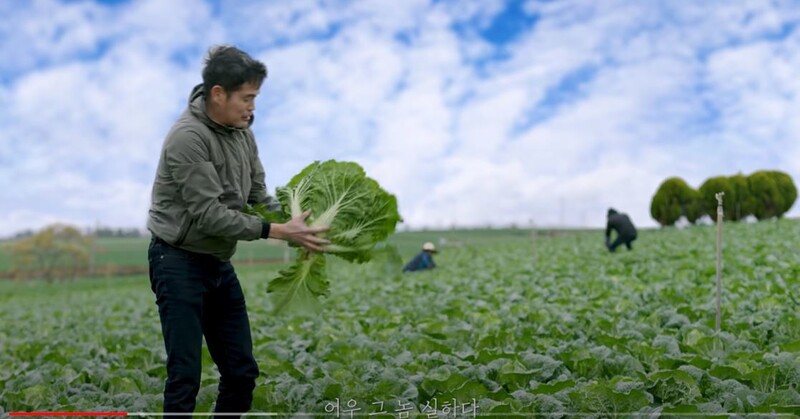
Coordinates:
(718, 323)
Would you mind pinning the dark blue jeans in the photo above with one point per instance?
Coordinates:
(199, 295)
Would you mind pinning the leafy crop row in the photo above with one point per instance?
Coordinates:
(556, 328)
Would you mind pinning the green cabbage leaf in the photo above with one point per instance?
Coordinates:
(358, 212)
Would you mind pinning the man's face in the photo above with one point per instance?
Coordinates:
(236, 109)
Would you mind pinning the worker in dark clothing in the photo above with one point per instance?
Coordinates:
(423, 260)
(621, 223)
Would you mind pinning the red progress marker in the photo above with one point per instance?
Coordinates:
(62, 414)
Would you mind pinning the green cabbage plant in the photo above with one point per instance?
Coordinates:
(359, 213)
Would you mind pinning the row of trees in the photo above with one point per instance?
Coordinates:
(99, 232)
(104, 232)
(763, 194)
(57, 251)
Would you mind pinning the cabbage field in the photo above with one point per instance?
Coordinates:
(552, 326)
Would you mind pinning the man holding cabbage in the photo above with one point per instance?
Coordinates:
(208, 171)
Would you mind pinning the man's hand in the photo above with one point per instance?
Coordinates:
(297, 231)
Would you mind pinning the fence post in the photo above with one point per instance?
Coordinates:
(533, 240)
(718, 323)
(93, 248)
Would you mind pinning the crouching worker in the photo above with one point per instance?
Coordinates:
(621, 223)
(423, 260)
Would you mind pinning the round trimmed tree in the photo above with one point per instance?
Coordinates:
(743, 201)
(787, 190)
(693, 208)
(674, 198)
(708, 191)
(773, 193)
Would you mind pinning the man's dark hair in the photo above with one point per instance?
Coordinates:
(230, 68)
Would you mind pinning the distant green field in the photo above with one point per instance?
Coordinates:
(114, 253)
(554, 327)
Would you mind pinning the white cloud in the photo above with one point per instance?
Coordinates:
(592, 107)
(46, 31)
(82, 135)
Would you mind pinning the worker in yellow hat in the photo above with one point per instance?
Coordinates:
(423, 260)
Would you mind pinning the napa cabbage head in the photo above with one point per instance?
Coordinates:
(357, 211)
(359, 214)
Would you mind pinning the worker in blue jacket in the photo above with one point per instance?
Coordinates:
(423, 260)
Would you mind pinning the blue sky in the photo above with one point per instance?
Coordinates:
(473, 113)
